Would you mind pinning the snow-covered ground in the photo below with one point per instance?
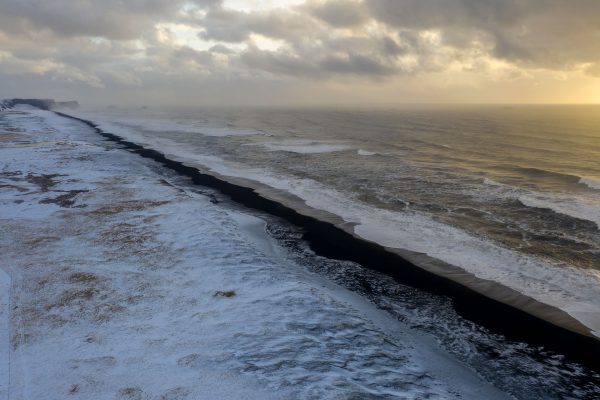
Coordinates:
(127, 285)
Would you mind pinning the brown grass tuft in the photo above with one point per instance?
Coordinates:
(227, 293)
(82, 277)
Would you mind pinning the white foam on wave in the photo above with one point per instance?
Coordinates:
(572, 207)
(490, 182)
(302, 146)
(218, 131)
(592, 183)
(585, 208)
(362, 152)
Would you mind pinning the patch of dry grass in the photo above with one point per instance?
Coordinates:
(64, 200)
(44, 182)
(135, 205)
(83, 277)
(76, 295)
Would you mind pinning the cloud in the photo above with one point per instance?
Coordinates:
(340, 13)
(593, 69)
(220, 48)
(113, 19)
(147, 44)
(278, 63)
(535, 33)
(234, 26)
(357, 64)
(428, 14)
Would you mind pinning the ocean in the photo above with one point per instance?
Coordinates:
(509, 194)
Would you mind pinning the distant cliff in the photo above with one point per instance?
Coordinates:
(45, 104)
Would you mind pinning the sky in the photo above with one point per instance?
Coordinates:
(301, 52)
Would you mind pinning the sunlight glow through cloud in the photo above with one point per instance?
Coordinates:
(254, 5)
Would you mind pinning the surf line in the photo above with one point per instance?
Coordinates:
(487, 303)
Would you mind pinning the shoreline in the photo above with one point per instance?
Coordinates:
(488, 303)
(143, 286)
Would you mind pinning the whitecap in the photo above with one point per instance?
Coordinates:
(304, 146)
(488, 181)
(571, 207)
(592, 183)
(362, 152)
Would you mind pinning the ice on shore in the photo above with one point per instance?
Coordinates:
(116, 276)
